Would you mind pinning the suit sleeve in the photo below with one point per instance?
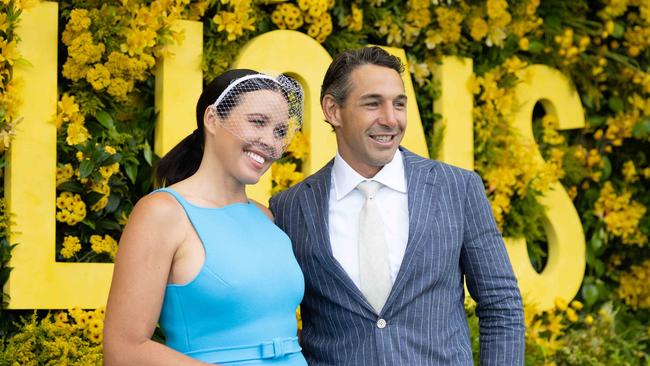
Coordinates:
(491, 282)
(274, 207)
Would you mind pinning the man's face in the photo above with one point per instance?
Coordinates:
(370, 125)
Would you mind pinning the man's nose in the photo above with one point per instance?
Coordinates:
(389, 115)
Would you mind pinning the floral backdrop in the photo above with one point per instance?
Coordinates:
(105, 120)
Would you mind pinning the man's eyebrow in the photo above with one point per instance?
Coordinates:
(372, 96)
(379, 96)
(401, 97)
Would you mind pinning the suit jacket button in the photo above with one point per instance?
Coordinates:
(381, 324)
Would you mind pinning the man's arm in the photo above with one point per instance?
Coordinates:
(491, 282)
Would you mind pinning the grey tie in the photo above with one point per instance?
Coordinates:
(374, 270)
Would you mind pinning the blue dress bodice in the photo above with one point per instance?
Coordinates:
(241, 307)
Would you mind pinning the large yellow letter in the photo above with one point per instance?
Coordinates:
(455, 105)
(565, 266)
(37, 280)
(179, 82)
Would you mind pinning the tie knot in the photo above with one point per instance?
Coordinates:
(369, 188)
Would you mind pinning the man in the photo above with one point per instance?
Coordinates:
(384, 270)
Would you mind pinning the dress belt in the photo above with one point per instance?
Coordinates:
(275, 348)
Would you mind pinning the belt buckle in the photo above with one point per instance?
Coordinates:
(273, 349)
(278, 348)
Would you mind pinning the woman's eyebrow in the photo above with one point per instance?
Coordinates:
(259, 116)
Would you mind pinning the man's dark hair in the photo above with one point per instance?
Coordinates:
(337, 78)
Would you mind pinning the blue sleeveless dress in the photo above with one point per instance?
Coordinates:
(241, 307)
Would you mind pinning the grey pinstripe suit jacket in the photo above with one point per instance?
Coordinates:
(452, 236)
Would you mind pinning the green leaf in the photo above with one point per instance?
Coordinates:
(112, 159)
(597, 241)
(105, 120)
(131, 171)
(596, 121)
(109, 225)
(641, 129)
(89, 223)
(536, 47)
(148, 156)
(70, 186)
(93, 197)
(615, 104)
(619, 30)
(85, 168)
(113, 203)
(590, 293)
(553, 21)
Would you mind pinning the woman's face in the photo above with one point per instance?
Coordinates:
(253, 135)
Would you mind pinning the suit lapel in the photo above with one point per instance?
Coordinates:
(315, 210)
(422, 191)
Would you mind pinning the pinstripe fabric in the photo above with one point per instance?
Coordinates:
(452, 236)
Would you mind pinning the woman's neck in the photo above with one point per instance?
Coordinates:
(212, 186)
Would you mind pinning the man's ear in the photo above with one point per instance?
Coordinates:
(331, 110)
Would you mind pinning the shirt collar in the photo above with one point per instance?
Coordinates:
(345, 179)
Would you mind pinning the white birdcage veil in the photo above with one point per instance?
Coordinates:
(263, 110)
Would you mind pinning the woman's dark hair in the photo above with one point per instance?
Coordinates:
(184, 159)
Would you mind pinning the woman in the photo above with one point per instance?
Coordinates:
(201, 259)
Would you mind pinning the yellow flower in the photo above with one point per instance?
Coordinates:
(77, 134)
(236, 22)
(560, 304)
(395, 35)
(299, 146)
(577, 305)
(63, 173)
(9, 51)
(103, 245)
(71, 208)
(634, 286)
(109, 149)
(67, 106)
(621, 215)
(287, 16)
(629, 172)
(478, 28)
(355, 20)
(119, 88)
(284, 175)
(449, 21)
(571, 315)
(524, 44)
(99, 77)
(433, 39)
(4, 24)
(71, 246)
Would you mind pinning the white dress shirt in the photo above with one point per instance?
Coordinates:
(345, 203)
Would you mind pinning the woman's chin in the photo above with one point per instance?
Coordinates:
(252, 177)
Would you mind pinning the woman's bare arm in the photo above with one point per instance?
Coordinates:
(142, 266)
